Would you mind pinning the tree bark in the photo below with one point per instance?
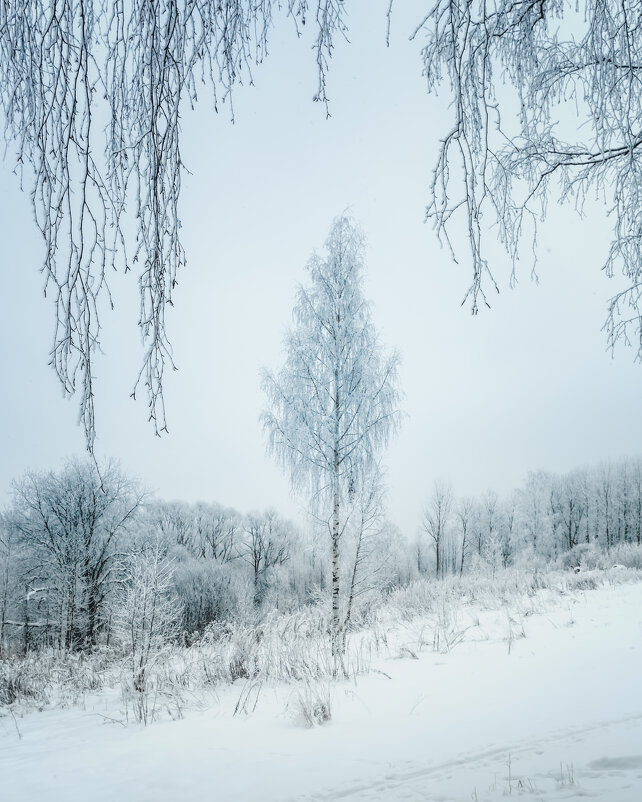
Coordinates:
(336, 615)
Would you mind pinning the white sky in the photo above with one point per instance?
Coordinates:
(525, 385)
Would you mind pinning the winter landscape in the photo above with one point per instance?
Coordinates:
(305, 528)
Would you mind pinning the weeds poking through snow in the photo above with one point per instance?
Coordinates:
(566, 776)
(294, 647)
(516, 630)
(311, 704)
(249, 698)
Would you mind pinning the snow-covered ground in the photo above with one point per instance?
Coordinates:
(541, 700)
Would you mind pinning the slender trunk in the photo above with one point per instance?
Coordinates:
(25, 644)
(336, 509)
(336, 615)
(437, 558)
(92, 616)
(353, 583)
(71, 615)
(4, 604)
(463, 554)
(258, 591)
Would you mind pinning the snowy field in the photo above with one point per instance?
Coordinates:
(540, 698)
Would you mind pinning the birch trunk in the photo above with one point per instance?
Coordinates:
(336, 614)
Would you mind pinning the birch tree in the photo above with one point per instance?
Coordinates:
(334, 404)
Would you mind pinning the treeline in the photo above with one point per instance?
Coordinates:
(88, 558)
(566, 519)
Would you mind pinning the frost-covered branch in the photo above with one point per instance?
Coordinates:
(546, 101)
(91, 95)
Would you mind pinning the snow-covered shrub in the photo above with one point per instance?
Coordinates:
(290, 647)
(19, 684)
(582, 557)
(311, 703)
(628, 555)
(146, 620)
(53, 676)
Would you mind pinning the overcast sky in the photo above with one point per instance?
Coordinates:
(525, 385)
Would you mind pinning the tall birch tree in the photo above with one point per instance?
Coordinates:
(334, 404)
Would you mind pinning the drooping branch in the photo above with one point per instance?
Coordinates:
(514, 68)
(92, 93)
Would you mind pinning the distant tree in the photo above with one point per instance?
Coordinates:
(606, 501)
(533, 510)
(173, 520)
(464, 512)
(208, 531)
(567, 506)
(217, 531)
(267, 543)
(436, 518)
(71, 521)
(509, 529)
(333, 404)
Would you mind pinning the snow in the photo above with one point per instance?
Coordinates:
(539, 700)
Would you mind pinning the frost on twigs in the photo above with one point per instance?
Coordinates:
(91, 95)
(546, 101)
(146, 620)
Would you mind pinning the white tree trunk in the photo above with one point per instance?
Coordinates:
(336, 613)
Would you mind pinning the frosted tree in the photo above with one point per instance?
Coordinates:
(464, 513)
(546, 102)
(333, 404)
(266, 544)
(71, 521)
(533, 502)
(436, 518)
(568, 509)
(217, 531)
(146, 617)
(91, 96)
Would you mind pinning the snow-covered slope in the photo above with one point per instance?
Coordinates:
(544, 702)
